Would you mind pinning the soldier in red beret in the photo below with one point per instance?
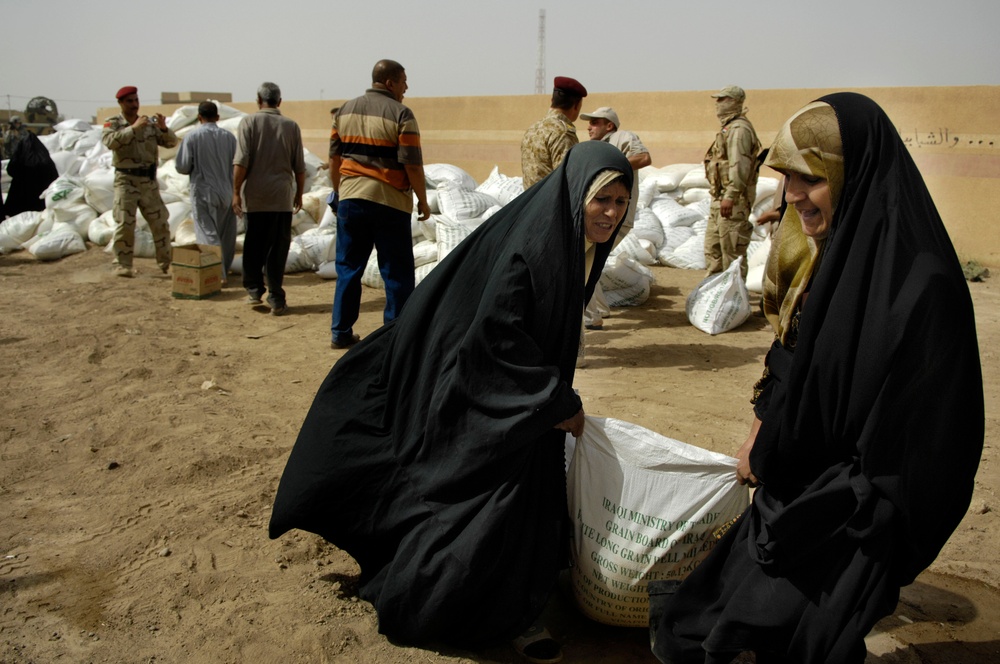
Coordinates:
(133, 141)
(546, 142)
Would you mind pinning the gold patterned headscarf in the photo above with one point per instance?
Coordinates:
(808, 143)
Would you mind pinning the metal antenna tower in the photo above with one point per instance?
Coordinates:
(540, 86)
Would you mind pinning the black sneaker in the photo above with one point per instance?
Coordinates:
(345, 342)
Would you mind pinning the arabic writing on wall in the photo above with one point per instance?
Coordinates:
(944, 138)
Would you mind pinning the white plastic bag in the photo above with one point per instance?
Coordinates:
(644, 508)
(720, 302)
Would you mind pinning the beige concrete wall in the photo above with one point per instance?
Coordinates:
(951, 132)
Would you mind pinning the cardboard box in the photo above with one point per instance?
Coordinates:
(197, 271)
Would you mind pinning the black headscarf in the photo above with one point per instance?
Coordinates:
(429, 453)
(31, 170)
(872, 436)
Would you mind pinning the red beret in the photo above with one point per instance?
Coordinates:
(570, 85)
(126, 91)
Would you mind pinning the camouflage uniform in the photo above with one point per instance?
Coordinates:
(545, 144)
(135, 160)
(730, 165)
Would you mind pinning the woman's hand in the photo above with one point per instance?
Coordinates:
(743, 473)
(573, 425)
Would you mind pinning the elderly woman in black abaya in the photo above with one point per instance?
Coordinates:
(872, 396)
(433, 452)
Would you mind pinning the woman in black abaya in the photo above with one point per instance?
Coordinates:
(433, 452)
(31, 171)
(869, 421)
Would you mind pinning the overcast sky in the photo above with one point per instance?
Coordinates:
(325, 49)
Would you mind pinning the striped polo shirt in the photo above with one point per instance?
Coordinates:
(375, 136)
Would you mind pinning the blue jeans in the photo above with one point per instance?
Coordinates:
(362, 225)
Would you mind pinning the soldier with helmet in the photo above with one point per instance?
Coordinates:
(730, 165)
(133, 140)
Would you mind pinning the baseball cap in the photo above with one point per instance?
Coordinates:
(604, 112)
(731, 91)
(570, 85)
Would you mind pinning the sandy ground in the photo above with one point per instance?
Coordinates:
(143, 436)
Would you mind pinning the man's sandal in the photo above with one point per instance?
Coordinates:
(537, 645)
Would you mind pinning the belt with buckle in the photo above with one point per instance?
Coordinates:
(146, 171)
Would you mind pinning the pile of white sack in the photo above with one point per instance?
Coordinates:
(669, 226)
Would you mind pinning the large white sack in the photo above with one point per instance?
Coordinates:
(432, 202)
(766, 188)
(673, 238)
(436, 175)
(647, 192)
(297, 260)
(647, 226)
(99, 189)
(64, 191)
(87, 142)
(626, 282)
(695, 178)
(184, 116)
(667, 178)
(50, 141)
(317, 247)
(317, 173)
(230, 124)
(702, 208)
(16, 230)
(314, 202)
(78, 215)
(67, 162)
(671, 213)
(450, 232)
(97, 158)
(329, 218)
(690, 255)
(55, 244)
(428, 227)
(423, 271)
(490, 211)
(102, 229)
(143, 246)
(755, 279)
(169, 179)
(644, 508)
(425, 252)
(371, 276)
(177, 213)
(720, 302)
(460, 204)
(75, 124)
(68, 138)
(696, 194)
(502, 188)
(757, 251)
(327, 270)
(185, 233)
(642, 251)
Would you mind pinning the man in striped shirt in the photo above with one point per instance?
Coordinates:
(377, 168)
